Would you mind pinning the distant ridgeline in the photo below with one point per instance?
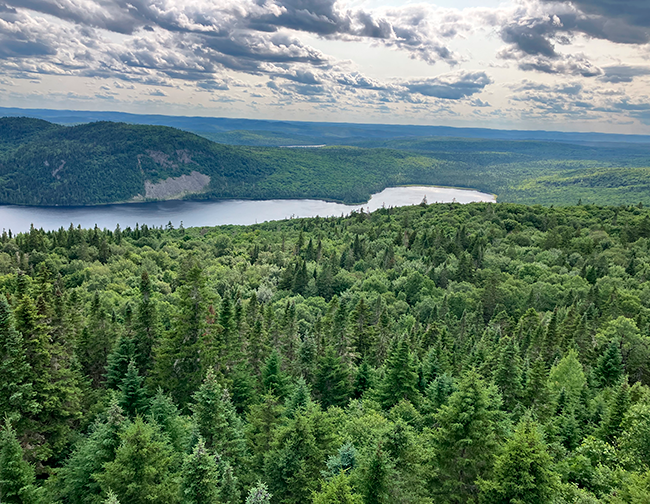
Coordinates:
(42, 163)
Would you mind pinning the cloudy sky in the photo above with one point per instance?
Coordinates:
(581, 65)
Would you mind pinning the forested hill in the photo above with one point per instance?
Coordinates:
(439, 354)
(46, 164)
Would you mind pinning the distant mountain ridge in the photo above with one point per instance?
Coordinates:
(276, 133)
(47, 164)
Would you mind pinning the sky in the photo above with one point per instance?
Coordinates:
(580, 65)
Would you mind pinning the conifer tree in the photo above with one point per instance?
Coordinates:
(118, 361)
(262, 422)
(274, 380)
(523, 472)
(610, 366)
(133, 398)
(332, 380)
(299, 399)
(78, 483)
(228, 486)
(257, 347)
(179, 364)
(401, 378)
(17, 479)
(200, 477)
(376, 475)
(146, 330)
(361, 329)
(363, 379)
(141, 472)
(217, 421)
(466, 439)
(16, 389)
(508, 375)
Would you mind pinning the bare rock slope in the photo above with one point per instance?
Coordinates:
(176, 187)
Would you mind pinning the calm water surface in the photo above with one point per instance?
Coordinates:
(214, 213)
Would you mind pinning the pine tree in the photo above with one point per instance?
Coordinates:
(179, 364)
(217, 421)
(466, 439)
(508, 375)
(118, 361)
(610, 366)
(133, 398)
(78, 485)
(401, 378)
(17, 479)
(274, 380)
(16, 389)
(141, 471)
(523, 471)
(332, 380)
(200, 477)
(299, 400)
(146, 330)
(376, 476)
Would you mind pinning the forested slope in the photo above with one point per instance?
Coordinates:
(97, 163)
(429, 354)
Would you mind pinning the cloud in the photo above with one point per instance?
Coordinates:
(451, 86)
(623, 73)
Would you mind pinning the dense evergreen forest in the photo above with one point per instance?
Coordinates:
(490, 353)
(47, 164)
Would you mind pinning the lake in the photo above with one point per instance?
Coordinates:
(214, 213)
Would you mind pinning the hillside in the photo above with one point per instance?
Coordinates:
(97, 163)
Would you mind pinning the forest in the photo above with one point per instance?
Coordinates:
(447, 353)
(46, 164)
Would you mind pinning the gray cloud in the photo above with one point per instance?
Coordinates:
(624, 73)
(450, 87)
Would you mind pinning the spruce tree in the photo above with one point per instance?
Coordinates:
(133, 398)
(466, 439)
(262, 422)
(146, 329)
(523, 472)
(332, 380)
(376, 476)
(16, 390)
(508, 375)
(401, 379)
(610, 366)
(274, 380)
(200, 477)
(141, 472)
(118, 361)
(299, 400)
(77, 476)
(217, 421)
(17, 479)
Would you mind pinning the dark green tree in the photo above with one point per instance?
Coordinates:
(523, 472)
(610, 366)
(133, 398)
(401, 379)
(466, 440)
(17, 479)
(332, 380)
(200, 477)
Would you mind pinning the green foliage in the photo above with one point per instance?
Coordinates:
(142, 469)
(200, 477)
(17, 483)
(550, 322)
(523, 471)
(337, 491)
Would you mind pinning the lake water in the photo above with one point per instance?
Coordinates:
(214, 213)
